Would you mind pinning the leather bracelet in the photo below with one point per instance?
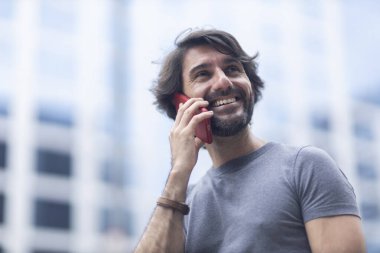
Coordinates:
(178, 206)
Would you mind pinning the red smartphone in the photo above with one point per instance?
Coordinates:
(203, 130)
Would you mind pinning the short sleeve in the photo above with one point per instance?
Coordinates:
(322, 188)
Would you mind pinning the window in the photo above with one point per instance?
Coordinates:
(370, 211)
(368, 94)
(2, 208)
(48, 251)
(363, 126)
(363, 130)
(367, 170)
(3, 155)
(55, 114)
(111, 174)
(320, 120)
(53, 162)
(116, 219)
(3, 109)
(52, 214)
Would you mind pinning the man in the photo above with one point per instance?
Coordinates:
(258, 196)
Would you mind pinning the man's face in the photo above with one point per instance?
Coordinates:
(221, 80)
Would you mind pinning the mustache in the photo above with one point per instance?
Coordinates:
(235, 91)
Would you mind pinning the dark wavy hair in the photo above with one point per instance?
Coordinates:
(169, 79)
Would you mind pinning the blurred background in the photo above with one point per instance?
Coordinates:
(83, 152)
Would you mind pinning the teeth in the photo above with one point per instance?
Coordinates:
(224, 101)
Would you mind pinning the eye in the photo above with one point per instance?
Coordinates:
(232, 69)
(202, 73)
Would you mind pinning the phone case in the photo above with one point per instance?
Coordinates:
(203, 130)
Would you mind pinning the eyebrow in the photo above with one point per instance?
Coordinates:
(199, 67)
(226, 61)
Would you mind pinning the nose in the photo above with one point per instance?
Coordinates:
(221, 82)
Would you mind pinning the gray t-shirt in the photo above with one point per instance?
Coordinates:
(260, 202)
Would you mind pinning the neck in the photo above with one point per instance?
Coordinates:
(224, 149)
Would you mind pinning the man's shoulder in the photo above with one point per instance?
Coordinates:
(313, 154)
(301, 151)
(279, 151)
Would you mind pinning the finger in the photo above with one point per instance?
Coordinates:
(190, 129)
(182, 108)
(197, 119)
(191, 112)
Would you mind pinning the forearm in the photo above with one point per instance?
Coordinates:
(165, 232)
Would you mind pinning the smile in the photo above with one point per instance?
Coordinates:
(221, 102)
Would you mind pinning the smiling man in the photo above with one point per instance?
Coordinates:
(258, 196)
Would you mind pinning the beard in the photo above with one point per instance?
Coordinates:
(230, 127)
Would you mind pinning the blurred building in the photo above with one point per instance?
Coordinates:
(83, 155)
(366, 136)
(62, 124)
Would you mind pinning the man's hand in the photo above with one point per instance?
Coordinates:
(184, 145)
(164, 233)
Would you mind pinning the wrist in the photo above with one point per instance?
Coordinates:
(172, 204)
(176, 185)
